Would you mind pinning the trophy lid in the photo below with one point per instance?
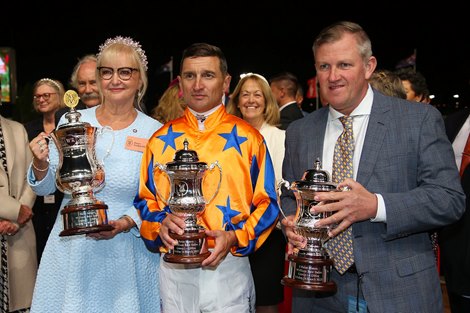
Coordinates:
(185, 159)
(315, 179)
(73, 116)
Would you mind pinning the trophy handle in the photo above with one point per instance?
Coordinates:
(100, 132)
(52, 137)
(282, 183)
(161, 167)
(211, 167)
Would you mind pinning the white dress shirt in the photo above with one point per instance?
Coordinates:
(334, 128)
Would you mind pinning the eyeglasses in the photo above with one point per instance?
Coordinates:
(124, 73)
(45, 96)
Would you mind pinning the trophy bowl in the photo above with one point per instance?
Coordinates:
(310, 266)
(79, 173)
(186, 200)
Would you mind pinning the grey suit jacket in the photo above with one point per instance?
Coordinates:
(408, 159)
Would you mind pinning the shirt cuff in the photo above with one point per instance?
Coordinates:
(381, 215)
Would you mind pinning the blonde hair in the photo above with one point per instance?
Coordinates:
(56, 85)
(387, 83)
(120, 45)
(170, 105)
(271, 109)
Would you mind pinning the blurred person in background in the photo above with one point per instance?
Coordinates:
(415, 85)
(171, 104)
(388, 83)
(83, 80)
(454, 239)
(254, 101)
(18, 262)
(48, 101)
(284, 87)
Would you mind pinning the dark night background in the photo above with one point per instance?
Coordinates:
(265, 37)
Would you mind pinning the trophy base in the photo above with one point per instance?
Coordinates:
(85, 230)
(310, 273)
(85, 219)
(188, 249)
(186, 259)
(320, 287)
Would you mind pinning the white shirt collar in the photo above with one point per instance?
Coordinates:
(364, 107)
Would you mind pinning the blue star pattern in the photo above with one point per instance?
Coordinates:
(228, 211)
(169, 138)
(228, 215)
(233, 140)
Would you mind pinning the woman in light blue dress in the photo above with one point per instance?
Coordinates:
(108, 271)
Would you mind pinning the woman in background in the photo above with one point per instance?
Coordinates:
(48, 101)
(254, 101)
(171, 104)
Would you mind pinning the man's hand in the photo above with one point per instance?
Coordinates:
(352, 205)
(8, 228)
(224, 240)
(295, 241)
(24, 215)
(174, 224)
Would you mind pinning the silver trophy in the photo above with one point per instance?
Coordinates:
(310, 267)
(79, 173)
(186, 200)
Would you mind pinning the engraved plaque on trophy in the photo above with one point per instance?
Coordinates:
(79, 173)
(310, 266)
(186, 200)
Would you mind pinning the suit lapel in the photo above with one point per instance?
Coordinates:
(374, 139)
(315, 142)
(8, 138)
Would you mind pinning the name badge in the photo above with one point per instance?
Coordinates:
(49, 199)
(135, 143)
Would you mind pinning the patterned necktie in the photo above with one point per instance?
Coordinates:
(340, 247)
(4, 299)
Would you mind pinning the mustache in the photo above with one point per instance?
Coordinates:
(90, 96)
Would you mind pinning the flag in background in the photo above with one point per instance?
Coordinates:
(312, 88)
(167, 68)
(409, 61)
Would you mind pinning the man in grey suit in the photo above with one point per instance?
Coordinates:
(405, 183)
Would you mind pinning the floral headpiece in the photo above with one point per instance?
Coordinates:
(128, 41)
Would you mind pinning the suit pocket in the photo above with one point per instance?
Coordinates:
(414, 264)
